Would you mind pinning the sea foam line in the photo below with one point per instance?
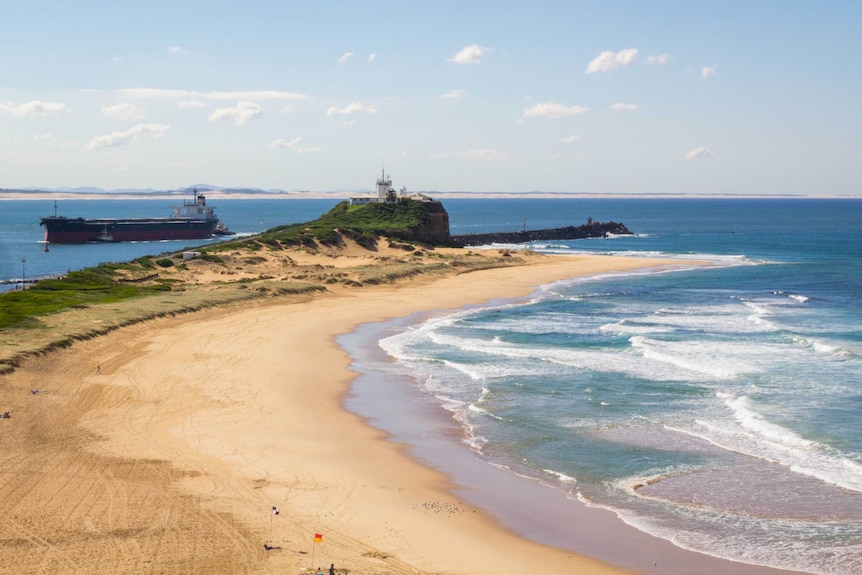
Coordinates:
(740, 537)
(763, 440)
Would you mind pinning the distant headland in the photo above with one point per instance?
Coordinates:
(252, 193)
(420, 218)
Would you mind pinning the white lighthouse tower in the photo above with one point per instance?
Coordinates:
(384, 193)
(384, 187)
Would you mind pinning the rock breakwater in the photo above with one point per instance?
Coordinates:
(589, 230)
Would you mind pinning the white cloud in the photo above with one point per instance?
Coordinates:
(191, 95)
(371, 57)
(453, 94)
(176, 49)
(281, 143)
(699, 153)
(707, 72)
(658, 59)
(127, 137)
(240, 114)
(552, 110)
(486, 154)
(128, 112)
(607, 61)
(345, 57)
(570, 139)
(351, 108)
(34, 108)
(620, 107)
(471, 54)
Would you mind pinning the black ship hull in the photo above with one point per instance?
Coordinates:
(61, 230)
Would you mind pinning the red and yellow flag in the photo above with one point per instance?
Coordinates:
(318, 538)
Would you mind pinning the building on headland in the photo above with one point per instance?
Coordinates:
(385, 193)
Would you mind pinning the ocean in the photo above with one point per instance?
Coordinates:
(716, 407)
(21, 235)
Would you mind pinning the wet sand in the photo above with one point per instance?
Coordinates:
(170, 457)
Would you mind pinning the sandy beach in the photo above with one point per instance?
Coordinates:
(162, 447)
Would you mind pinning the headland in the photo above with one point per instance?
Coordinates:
(156, 433)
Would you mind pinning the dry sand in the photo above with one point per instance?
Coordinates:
(171, 458)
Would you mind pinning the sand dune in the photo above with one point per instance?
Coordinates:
(170, 457)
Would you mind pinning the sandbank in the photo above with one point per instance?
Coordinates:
(163, 447)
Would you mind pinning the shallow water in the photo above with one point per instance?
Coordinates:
(714, 407)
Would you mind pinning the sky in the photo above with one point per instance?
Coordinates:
(584, 97)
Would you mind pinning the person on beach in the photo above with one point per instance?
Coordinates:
(99, 369)
(332, 569)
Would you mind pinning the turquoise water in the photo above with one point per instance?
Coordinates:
(716, 407)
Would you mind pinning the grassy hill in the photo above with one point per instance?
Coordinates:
(424, 222)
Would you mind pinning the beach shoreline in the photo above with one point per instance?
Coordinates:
(194, 427)
(537, 509)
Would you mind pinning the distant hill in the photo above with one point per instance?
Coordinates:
(147, 191)
(94, 192)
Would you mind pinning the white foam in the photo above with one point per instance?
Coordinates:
(701, 357)
(728, 318)
(632, 327)
(750, 433)
(538, 324)
(755, 422)
(551, 247)
(562, 477)
(761, 312)
(827, 349)
(728, 540)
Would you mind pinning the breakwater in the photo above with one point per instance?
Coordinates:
(589, 230)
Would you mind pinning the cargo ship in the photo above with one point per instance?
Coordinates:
(193, 220)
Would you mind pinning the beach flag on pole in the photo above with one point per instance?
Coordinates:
(318, 538)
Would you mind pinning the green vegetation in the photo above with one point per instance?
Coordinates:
(114, 282)
(363, 224)
(212, 258)
(77, 289)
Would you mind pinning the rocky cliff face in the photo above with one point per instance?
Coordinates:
(590, 230)
(434, 228)
(428, 222)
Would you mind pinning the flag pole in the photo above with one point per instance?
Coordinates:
(318, 538)
(272, 514)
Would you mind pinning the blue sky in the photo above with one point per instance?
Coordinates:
(601, 97)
